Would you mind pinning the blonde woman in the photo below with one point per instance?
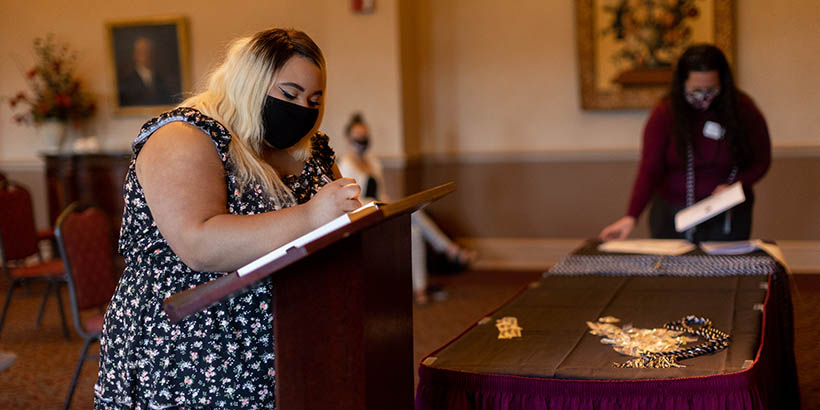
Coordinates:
(231, 174)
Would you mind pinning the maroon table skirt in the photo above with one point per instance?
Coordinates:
(768, 381)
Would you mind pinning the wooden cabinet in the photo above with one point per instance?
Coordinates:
(91, 178)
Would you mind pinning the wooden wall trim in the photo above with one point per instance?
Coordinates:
(594, 155)
(401, 161)
(576, 199)
(28, 165)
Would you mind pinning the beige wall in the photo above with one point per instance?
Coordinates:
(432, 77)
(361, 52)
(502, 76)
(454, 76)
(778, 44)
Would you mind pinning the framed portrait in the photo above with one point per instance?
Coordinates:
(149, 60)
(627, 49)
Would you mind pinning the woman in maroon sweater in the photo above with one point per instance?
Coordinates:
(706, 132)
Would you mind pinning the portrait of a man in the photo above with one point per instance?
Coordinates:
(149, 64)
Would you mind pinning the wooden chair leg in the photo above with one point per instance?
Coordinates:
(13, 285)
(77, 371)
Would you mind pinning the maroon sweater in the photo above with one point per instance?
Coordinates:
(663, 172)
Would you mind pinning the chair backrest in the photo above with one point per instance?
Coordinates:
(85, 246)
(18, 234)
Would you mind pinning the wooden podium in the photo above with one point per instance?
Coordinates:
(343, 327)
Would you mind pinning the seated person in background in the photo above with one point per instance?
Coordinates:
(367, 171)
(703, 136)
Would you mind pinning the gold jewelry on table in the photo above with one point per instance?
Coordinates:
(508, 328)
(660, 347)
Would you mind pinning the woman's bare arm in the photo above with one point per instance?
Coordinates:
(184, 184)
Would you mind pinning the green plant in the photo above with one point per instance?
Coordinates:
(55, 91)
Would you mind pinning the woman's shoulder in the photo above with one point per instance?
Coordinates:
(663, 107)
(660, 118)
(748, 112)
(746, 103)
(185, 119)
(189, 115)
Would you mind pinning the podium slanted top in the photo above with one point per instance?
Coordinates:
(193, 300)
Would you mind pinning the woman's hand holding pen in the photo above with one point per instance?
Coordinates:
(334, 199)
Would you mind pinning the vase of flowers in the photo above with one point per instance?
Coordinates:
(56, 101)
(54, 134)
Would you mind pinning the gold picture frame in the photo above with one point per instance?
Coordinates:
(617, 71)
(149, 63)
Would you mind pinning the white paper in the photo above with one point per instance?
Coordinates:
(741, 247)
(302, 240)
(709, 207)
(648, 246)
(729, 248)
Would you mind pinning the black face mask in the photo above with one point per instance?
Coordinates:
(286, 123)
(361, 145)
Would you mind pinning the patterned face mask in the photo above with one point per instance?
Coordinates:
(701, 100)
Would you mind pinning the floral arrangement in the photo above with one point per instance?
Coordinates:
(653, 31)
(56, 93)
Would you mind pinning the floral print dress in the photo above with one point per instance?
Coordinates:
(221, 357)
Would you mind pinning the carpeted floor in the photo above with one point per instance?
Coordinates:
(39, 377)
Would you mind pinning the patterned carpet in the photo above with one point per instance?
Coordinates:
(40, 375)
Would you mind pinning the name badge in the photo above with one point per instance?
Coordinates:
(713, 130)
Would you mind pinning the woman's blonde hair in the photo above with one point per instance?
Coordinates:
(236, 94)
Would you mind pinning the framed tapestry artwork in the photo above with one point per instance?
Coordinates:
(149, 61)
(627, 49)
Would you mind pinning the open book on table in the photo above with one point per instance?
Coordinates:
(331, 226)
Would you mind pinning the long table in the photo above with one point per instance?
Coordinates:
(557, 364)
